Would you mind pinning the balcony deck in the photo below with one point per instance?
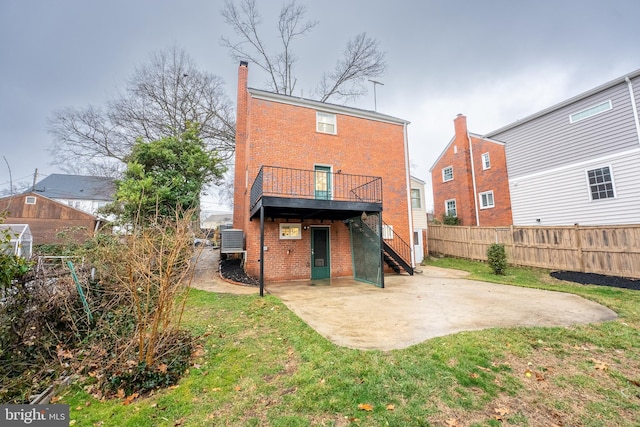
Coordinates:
(309, 194)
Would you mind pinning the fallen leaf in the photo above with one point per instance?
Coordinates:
(482, 368)
(130, 399)
(179, 422)
(120, 393)
(173, 387)
(216, 389)
(539, 376)
(527, 373)
(501, 412)
(452, 422)
(54, 399)
(237, 388)
(365, 407)
(474, 375)
(63, 354)
(600, 365)
(391, 407)
(162, 368)
(72, 422)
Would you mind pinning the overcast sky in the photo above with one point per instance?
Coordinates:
(495, 61)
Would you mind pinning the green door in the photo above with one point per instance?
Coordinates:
(320, 268)
(323, 182)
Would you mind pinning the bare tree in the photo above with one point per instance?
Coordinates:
(362, 59)
(161, 99)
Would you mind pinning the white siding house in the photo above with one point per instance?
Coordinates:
(86, 193)
(419, 218)
(578, 162)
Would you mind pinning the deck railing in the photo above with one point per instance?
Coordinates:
(315, 184)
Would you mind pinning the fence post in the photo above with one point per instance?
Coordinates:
(512, 245)
(576, 227)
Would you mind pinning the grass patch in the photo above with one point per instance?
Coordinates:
(258, 364)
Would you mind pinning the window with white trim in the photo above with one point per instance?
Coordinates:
(450, 207)
(591, 111)
(387, 232)
(486, 200)
(486, 161)
(326, 123)
(447, 174)
(30, 200)
(601, 183)
(416, 203)
(290, 231)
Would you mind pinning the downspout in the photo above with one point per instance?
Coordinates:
(409, 209)
(473, 178)
(633, 106)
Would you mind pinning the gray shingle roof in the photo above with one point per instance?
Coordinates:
(60, 186)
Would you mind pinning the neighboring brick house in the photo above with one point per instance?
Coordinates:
(470, 180)
(309, 180)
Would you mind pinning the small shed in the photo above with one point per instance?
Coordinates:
(21, 240)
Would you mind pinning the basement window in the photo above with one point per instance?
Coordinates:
(30, 200)
(590, 112)
(290, 231)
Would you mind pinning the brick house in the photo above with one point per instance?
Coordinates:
(470, 180)
(309, 179)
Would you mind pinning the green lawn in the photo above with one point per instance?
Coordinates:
(260, 365)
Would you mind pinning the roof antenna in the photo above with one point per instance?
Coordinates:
(375, 102)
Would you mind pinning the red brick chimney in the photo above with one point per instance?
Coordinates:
(460, 126)
(239, 184)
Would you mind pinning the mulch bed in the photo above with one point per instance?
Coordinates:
(597, 279)
(231, 269)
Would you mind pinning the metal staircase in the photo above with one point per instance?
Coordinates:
(395, 251)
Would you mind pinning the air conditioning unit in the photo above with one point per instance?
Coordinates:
(232, 241)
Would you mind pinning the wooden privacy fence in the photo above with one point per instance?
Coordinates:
(612, 250)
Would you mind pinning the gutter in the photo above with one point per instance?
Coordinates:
(633, 106)
(409, 209)
(473, 178)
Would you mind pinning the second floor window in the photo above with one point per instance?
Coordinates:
(325, 123)
(486, 161)
(486, 200)
(447, 174)
(415, 198)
